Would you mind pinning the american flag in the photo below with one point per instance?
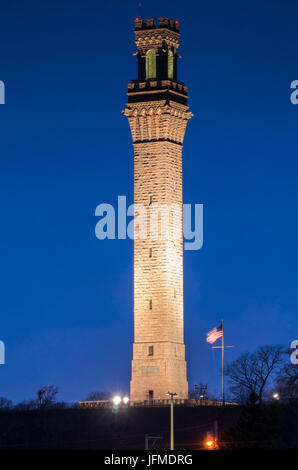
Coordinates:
(214, 334)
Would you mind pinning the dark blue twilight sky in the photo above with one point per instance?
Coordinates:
(66, 298)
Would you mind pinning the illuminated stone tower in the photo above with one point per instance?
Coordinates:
(157, 112)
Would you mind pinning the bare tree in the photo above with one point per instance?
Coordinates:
(97, 396)
(200, 392)
(46, 398)
(5, 404)
(27, 405)
(249, 373)
(47, 395)
(287, 383)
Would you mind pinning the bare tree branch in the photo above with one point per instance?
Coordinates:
(249, 373)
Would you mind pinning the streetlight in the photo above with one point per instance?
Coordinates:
(116, 400)
(172, 395)
(276, 396)
(211, 441)
(209, 444)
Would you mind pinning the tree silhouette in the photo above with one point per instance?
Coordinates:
(249, 373)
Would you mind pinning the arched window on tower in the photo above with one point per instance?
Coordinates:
(170, 64)
(150, 64)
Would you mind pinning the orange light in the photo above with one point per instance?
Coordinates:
(209, 443)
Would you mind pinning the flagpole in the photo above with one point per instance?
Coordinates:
(222, 364)
(212, 337)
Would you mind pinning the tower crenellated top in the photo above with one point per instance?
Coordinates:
(163, 36)
(163, 22)
(157, 57)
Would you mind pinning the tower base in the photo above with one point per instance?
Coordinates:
(154, 377)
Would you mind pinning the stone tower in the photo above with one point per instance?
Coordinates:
(157, 112)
